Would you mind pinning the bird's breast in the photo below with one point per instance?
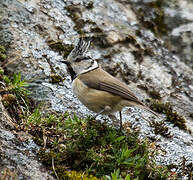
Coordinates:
(94, 99)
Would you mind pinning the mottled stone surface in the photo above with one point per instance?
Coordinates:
(128, 51)
(18, 158)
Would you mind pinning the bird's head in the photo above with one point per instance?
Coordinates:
(77, 61)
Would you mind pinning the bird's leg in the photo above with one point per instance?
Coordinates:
(113, 119)
(100, 112)
(121, 124)
(107, 108)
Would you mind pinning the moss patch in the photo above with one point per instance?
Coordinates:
(65, 49)
(154, 94)
(151, 91)
(171, 115)
(161, 128)
(3, 55)
(89, 5)
(100, 37)
(75, 14)
(55, 78)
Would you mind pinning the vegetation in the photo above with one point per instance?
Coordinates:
(15, 95)
(171, 115)
(55, 78)
(86, 148)
(65, 49)
(15, 85)
(161, 128)
(2, 53)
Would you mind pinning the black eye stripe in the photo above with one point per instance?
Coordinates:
(79, 59)
(82, 58)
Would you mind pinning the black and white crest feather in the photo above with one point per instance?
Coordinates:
(80, 49)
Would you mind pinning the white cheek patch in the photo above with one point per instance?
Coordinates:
(93, 66)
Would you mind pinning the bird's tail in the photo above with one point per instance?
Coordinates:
(151, 111)
(143, 106)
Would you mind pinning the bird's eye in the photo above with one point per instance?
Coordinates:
(78, 59)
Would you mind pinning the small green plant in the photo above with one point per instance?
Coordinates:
(35, 117)
(15, 95)
(116, 176)
(16, 85)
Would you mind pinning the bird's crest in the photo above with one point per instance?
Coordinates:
(80, 49)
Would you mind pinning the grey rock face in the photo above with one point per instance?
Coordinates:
(18, 159)
(128, 51)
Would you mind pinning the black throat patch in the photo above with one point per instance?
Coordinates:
(71, 72)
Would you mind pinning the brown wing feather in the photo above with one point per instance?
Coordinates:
(101, 80)
(116, 89)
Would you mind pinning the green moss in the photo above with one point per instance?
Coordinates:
(55, 78)
(15, 95)
(2, 56)
(75, 14)
(62, 171)
(171, 115)
(2, 53)
(154, 94)
(79, 30)
(1, 72)
(131, 39)
(191, 115)
(161, 128)
(96, 30)
(38, 140)
(2, 49)
(100, 37)
(151, 91)
(140, 51)
(59, 46)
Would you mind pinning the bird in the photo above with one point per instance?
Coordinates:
(99, 91)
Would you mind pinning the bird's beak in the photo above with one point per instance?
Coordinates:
(65, 62)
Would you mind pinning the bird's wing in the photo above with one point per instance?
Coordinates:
(101, 80)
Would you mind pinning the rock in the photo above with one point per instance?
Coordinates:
(123, 40)
(180, 25)
(18, 159)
